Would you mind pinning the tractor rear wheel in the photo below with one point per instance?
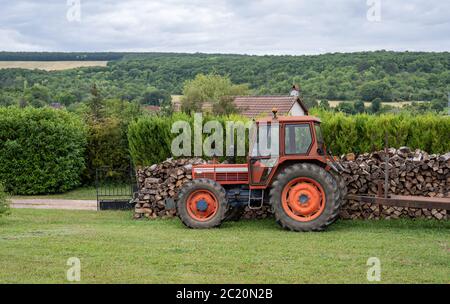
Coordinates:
(342, 189)
(305, 197)
(202, 204)
(342, 185)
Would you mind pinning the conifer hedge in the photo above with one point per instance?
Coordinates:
(150, 137)
(364, 133)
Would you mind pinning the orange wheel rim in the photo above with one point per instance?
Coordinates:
(202, 205)
(303, 199)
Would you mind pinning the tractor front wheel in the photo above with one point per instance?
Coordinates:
(305, 197)
(202, 204)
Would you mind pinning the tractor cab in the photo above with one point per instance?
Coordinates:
(279, 140)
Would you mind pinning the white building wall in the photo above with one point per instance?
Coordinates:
(297, 110)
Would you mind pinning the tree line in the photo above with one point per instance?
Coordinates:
(150, 78)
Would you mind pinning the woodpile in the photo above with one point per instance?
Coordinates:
(262, 213)
(410, 173)
(159, 186)
(414, 173)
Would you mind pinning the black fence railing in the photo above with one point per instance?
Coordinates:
(115, 188)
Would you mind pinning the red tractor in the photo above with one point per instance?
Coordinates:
(301, 183)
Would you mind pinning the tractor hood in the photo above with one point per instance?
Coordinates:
(222, 173)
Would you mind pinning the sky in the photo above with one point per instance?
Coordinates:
(225, 26)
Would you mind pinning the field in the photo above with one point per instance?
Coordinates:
(397, 104)
(50, 65)
(36, 244)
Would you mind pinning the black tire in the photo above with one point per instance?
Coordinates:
(342, 184)
(202, 184)
(234, 214)
(330, 187)
(342, 189)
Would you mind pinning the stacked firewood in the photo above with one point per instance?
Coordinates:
(159, 186)
(410, 173)
(262, 213)
(414, 173)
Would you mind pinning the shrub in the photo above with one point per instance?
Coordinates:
(4, 203)
(107, 135)
(107, 147)
(149, 139)
(41, 150)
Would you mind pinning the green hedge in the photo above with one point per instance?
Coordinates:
(150, 138)
(41, 150)
(364, 133)
(4, 203)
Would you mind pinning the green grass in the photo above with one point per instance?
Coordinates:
(35, 246)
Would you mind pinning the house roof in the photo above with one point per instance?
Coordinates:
(152, 108)
(56, 105)
(253, 106)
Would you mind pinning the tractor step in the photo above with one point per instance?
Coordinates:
(261, 199)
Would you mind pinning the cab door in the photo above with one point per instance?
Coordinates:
(264, 153)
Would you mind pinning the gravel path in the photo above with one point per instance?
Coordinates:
(54, 204)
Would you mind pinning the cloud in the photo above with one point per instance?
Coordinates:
(13, 41)
(225, 26)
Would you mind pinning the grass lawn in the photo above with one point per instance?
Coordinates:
(35, 246)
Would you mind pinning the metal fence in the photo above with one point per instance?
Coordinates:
(115, 188)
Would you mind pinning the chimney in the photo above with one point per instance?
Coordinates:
(295, 91)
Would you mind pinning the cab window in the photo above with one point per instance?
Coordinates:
(318, 133)
(297, 139)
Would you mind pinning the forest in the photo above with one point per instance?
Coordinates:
(150, 78)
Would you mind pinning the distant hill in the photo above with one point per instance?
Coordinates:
(390, 76)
